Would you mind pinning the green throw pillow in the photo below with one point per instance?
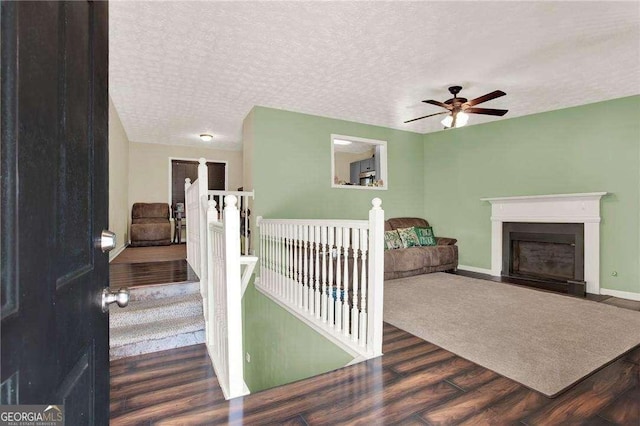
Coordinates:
(409, 237)
(425, 236)
(392, 240)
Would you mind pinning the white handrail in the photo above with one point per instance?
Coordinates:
(346, 223)
(329, 273)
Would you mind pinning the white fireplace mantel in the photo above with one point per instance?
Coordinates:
(555, 208)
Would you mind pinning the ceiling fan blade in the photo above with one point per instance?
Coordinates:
(486, 111)
(485, 98)
(437, 103)
(430, 115)
(455, 117)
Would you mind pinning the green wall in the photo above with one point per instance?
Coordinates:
(283, 349)
(291, 176)
(292, 168)
(589, 148)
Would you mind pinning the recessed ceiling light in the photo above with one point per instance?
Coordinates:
(341, 142)
(206, 137)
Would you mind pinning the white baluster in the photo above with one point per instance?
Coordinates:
(363, 287)
(354, 304)
(323, 294)
(272, 256)
(305, 275)
(310, 296)
(289, 264)
(261, 228)
(245, 204)
(269, 258)
(279, 242)
(339, 294)
(316, 287)
(285, 260)
(330, 287)
(299, 289)
(346, 233)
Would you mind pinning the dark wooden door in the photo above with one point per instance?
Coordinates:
(182, 169)
(54, 168)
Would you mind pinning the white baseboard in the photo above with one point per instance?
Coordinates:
(474, 269)
(621, 294)
(117, 251)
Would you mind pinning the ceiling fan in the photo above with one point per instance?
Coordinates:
(458, 108)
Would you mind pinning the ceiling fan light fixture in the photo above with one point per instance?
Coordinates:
(461, 120)
(206, 137)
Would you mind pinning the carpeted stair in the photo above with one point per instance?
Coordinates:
(158, 317)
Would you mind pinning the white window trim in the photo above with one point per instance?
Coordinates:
(384, 175)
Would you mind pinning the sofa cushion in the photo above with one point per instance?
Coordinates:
(392, 240)
(407, 222)
(150, 231)
(425, 236)
(413, 258)
(409, 237)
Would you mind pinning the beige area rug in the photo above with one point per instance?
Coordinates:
(545, 341)
(152, 254)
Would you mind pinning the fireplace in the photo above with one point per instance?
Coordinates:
(547, 252)
(582, 209)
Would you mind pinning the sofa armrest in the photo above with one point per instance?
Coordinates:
(444, 241)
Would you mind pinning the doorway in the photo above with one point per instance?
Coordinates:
(186, 168)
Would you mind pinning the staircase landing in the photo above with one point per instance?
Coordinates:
(165, 306)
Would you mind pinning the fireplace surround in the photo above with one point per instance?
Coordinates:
(583, 208)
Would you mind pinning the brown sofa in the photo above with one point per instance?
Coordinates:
(150, 225)
(405, 262)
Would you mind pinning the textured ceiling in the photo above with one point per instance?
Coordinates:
(178, 69)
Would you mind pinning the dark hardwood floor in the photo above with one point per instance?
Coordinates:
(140, 274)
(140, 266)
(414, 383)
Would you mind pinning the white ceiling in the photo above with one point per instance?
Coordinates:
(354, 147)
(178, 69)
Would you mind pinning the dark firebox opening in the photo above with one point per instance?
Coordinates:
(545, 252)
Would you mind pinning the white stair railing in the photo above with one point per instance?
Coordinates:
(224, 328)
(329, 273)
(196, 221)
(213, 252)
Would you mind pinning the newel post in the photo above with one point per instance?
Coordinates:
(376, 277)
(187, 185)
(203, 193)
(212, 216)
(231, 220)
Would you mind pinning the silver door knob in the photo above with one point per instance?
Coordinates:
(107, 240)
(121, 297)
